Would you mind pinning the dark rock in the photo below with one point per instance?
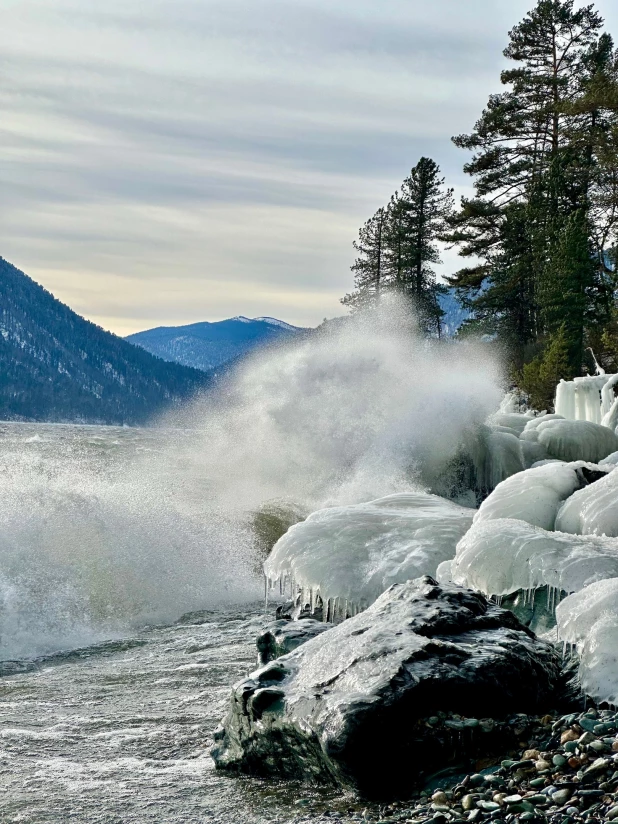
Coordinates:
(283, 636)
(349, 707)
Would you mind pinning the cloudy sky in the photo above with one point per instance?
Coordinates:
(169, 161)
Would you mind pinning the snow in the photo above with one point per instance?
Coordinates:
(355, 552)
(593, 510)
(589, 619)
(504, 556)
(533, 496)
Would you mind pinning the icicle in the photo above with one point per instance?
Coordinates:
(265, 594)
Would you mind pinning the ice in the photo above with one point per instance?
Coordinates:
(353, 553)
(589, 619)
(577, 440)
(610, 462)
(593, 510)
(513, 421)
(534, 495)
(504, 556)
(581, 399)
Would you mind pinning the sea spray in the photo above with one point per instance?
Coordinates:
(357, 411)
(102, 530)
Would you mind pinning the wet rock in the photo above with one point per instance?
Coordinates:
(351, 705)
(283, 636)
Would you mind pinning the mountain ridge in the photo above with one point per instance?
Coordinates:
(209, 345)
(57, 366)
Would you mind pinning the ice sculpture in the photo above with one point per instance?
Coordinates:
(349, 555)
(589, 619)
(503, 556)
(534, 496)
(593, 510)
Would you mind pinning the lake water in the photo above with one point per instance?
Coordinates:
(128, 607)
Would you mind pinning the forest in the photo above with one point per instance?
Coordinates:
(538, 238)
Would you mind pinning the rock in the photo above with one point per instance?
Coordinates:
(350, 705)
(283, 636)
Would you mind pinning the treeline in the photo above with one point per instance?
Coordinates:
(540, 232)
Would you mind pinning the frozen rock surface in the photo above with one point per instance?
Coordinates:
(577, 440)
(593, 510)
(589, 619)
(284, 635)
(354, 553)
(503, 556)
(536, 495)
(350, 705)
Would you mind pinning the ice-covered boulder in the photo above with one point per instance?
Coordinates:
(577, 440)
(536, 495)
(501, 557)
(589, 619)
(283, 636)
(593, 510)
(351, 705)
(353, 553)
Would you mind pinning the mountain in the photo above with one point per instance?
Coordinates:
(210, 345)
(57, 366)
(455, 314)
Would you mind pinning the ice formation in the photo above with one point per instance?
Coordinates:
(576, 440)
(503, 556)
(534, 496)
(593, 510)
(354, 553)
(585, 399)
(589, 619)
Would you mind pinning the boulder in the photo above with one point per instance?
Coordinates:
(353, 706)
(283, 636)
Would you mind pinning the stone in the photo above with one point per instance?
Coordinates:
(350, 705)
(568, 735)
(560, 797)
(283, 636)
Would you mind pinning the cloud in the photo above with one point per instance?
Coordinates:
(176, 160)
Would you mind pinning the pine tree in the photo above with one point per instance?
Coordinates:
(538, 180)
(370, 266)
(398, 246)
(427, 206)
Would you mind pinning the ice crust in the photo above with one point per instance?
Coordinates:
(503, 556)
(551, 521)
(576, 440)
(354, 553)
(593, 510)
(589, 620)
(535, 495)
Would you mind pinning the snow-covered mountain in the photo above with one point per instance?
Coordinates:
(210, 345)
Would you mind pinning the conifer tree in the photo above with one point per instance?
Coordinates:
(370, 266)
(427, 206)
(545, 183)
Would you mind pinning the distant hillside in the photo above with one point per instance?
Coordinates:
(455, 314)
(56, 366)
(210, 345)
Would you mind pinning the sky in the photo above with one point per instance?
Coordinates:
(172, 161)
